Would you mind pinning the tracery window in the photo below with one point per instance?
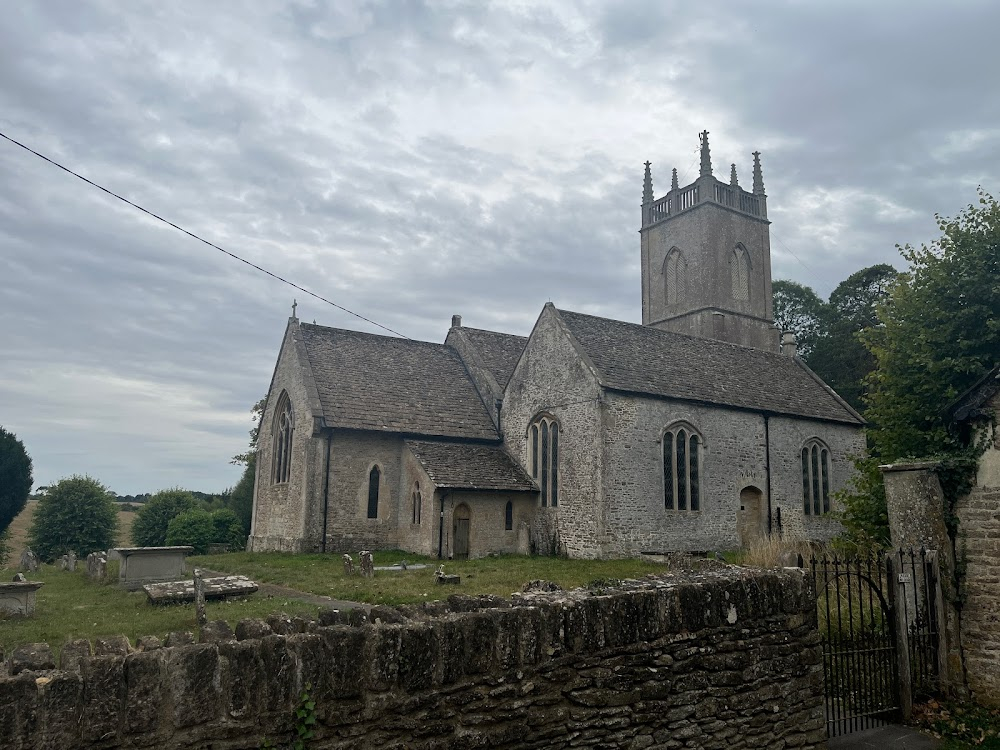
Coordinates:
(682, 448)
(508, 517)
(543, 443)
(739, 269)
(675, 276)
(816, 468)
(417, 502)
(281, 457)
(374, 476)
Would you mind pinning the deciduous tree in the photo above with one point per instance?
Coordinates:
(76, 514)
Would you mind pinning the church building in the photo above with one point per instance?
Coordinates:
(698, 430)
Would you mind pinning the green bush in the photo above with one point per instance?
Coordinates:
(194, 528)
(228, 530)
(76, 514)
(151, 520)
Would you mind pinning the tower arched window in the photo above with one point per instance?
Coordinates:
(417, 501)
(283, 428)
(816, 469)
(739, 270)
(374, 478)
(675, 276)
(682, 449)
(543, 443)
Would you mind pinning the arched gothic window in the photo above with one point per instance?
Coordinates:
(682, 448)
(543, 442)
(508, 517)
(281, 456)
(739, 270)
(373, 482)
(816, 468)
(417, 502)
(675, 276)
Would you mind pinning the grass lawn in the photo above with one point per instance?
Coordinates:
(324, 574)
(70, 605)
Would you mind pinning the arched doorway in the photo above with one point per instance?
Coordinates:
(460, 532)
(751, 519)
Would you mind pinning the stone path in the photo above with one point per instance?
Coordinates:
(888, 737)
(273, 590)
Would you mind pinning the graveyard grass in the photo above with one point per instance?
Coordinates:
(324, 575)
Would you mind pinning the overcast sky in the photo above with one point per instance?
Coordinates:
(411, 160)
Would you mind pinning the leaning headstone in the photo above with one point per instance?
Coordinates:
(29, 561)
(31, 657)
(72, 652)
(367, 564)
(348, 565)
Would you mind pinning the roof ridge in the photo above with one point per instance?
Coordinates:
(498, 333)
(659, 331)
(367, 334)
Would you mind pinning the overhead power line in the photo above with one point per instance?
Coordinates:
(273, 275)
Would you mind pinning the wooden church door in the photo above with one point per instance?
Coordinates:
(751, 523)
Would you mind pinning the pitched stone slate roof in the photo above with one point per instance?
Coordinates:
(500, 351)
(974, 403)
(371, 382)
(469, 466)
(640, 359)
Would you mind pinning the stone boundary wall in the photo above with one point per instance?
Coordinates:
(979, 552)
(718, 658)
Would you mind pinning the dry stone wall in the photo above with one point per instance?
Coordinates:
(723, 658)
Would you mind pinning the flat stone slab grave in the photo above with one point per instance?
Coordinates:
(218, 587)
(142, 565)
(18, 598)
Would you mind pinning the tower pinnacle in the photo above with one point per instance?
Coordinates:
(706, 157)
(732, 176)
(758, 176)
(647, 186)
(673, 180)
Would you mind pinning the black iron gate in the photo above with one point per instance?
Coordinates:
(878, 623)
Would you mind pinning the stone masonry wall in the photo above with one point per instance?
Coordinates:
(551, 378)
(717, 659)
(733, 458)
(979, 547)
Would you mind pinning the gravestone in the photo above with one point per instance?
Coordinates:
(29, 561)
(218, 587)
(348, 565)
(18, 598)
(367, 564)
(97, 565)
(143, 565)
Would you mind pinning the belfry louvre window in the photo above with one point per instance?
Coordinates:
(739, 270)
(815, 478)
(682, 448)
(543, 442)
(281, 457)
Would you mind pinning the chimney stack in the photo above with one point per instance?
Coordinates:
(788, 345)
(456, 321)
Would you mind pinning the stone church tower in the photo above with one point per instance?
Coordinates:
(706, 258)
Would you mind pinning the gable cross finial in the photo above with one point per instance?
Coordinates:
(758, 176)
(294, 305)
(732, 176)
(706, 157)
(647, 185)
